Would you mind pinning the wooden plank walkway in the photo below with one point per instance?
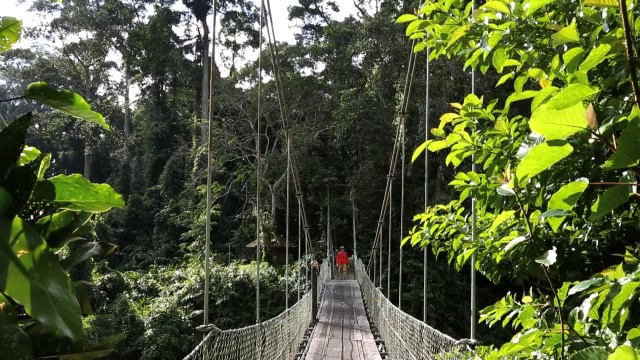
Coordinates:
(342, 332)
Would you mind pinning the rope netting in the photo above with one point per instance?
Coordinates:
(277, 338)
(405, 337)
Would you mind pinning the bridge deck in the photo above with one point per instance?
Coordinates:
(342, 331)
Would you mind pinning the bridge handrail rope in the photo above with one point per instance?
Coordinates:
(405, 337)
(278, 338)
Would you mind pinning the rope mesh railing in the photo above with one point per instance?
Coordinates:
(405, 337)
(277, 338)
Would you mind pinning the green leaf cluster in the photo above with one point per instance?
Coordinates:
(38, 217)
(554, 180)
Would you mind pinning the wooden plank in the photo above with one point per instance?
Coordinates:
(342, 331)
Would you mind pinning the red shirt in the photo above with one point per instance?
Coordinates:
(342, 258)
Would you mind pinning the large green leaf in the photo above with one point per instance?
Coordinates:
(57, 229)
(603, 3)
(537, 4)
(65, 101)
(458, 33)
(624, 352)
(418, 151)
(517, 96)
(28, 154)
(12, 140)
(31, 274)
(558, 124)
(499, 57)
(406, 18)
(10, 30)
(502, 217)
(591, 353)
(609, 200)
(566, 35)
(541, 157)
(496, 5)
(74, 192)
(565, 199)
(584, 285)
(628, 151)
(595, 57)
(20, 184)
(571, 95)
(617, 310)
(542, 96)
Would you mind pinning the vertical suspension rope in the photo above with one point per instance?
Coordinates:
(473, 223)
(354, 210)
(426, 188)
(207, 251)
(299, 244)
(403, 115)
(286, 268)
(328, 224)
(380, 277)
(402, 145)
(258, 150)
(390, 227)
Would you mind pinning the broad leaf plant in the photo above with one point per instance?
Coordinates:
(556, 181)
(39, 217)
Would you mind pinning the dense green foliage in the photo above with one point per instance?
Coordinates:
(40, 217)
(140, 64)
(556, 185)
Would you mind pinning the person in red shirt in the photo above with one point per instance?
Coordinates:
(342, 260)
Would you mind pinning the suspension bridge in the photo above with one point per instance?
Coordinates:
(332, 319)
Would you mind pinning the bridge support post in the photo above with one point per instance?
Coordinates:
(314, 291)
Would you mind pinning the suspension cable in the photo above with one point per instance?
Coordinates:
(273, 47)
(401, 211)
(258, 155)
(299, 246)
(412, 69)
(286, 268)
(389, 246)
(207, 251)
(380, 277)
(394, 154)
(354, 211)
(474, 216)
(426, 187)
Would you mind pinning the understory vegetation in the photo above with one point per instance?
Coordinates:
(103, 164)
